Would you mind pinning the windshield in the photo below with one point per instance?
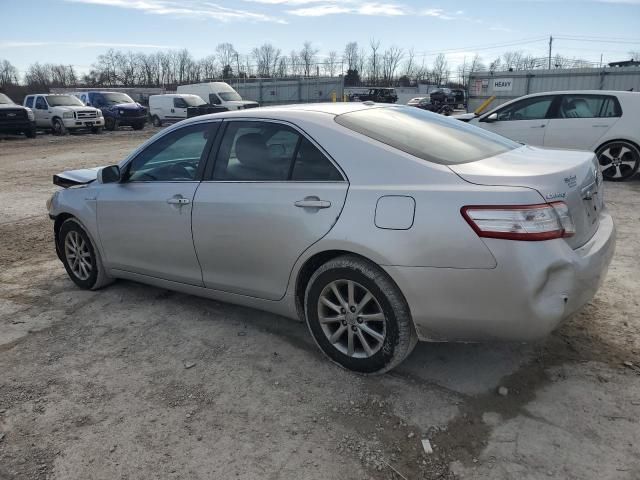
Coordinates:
(229, 96)
(193, 101)
(5, 99)
(63, 101)
(426, 135)
(116, 98)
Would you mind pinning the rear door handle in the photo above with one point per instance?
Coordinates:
(178, 200)
(600, 126)
(312, 202)
(537, 126)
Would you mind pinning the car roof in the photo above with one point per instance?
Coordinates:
(583, 92)
(174, 95)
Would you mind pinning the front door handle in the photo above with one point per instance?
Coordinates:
(178, 200)
(312, 202)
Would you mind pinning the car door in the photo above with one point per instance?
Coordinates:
(41, 112)
(524, 121)
(581, 120)
(178, 110)
(271, 195)
(145, 220)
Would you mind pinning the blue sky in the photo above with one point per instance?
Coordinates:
(76, 31)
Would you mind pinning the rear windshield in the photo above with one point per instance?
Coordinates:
(426, 135)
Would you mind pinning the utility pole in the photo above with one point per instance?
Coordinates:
(550, 43)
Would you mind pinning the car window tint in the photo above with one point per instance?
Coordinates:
(256, 151)
(179, 103)
(426, 135)
(41, 104)
(588, 106)
(174, 157)
(29, 102)
(534, 108)
(311, 165)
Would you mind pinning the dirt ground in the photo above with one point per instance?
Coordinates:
(95, 385)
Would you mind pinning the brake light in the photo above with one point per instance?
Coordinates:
(521, 222)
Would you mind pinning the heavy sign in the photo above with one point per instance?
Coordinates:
(502, 84)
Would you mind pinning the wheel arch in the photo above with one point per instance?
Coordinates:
(612, 140)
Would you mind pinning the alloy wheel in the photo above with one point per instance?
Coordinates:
(351, 318)
(618, 160)
(78, 256)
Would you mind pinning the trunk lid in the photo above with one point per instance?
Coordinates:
(569, 176)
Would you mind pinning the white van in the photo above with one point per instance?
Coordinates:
(218, 93)
(174, 107)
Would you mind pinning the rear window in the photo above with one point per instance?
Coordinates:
(426, 135)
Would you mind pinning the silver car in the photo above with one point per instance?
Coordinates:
(378, 225)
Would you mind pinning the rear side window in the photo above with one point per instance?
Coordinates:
(426, 135)
(589, 106)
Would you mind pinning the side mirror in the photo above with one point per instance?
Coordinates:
(109, 174)
(491, 118)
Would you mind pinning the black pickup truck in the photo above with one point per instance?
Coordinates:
(16, 118)
(379, 95)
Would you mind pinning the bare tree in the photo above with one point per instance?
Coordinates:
(374, 60)
(294, 63)
(390, 61)
(209, 66)
(331, 65)
(409, 64)
(8, 74)
(350, 56)
(440, 71)
(308, 57)
(266, 57)
(635, 55)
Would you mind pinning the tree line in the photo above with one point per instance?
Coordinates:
(369, 64)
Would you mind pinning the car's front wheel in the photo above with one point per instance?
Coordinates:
(80, 258)
(619, 160)
(358, 316)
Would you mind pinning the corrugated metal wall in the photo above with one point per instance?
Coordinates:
(269, 91)
(509, 85)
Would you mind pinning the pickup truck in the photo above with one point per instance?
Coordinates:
(118, 109)
(379, 95)
(61, 113)
(16, 118)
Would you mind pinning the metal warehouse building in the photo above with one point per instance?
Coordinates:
(509, 85)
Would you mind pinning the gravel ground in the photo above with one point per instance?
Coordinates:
(135, 382)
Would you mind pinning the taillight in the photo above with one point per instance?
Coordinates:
(521, 222)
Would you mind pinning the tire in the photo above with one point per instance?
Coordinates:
(32, 133)
(156, 121)
(110, 124)
(619, 160)
(96, 130)
(137, 126)
(72, 239)
(58, 127)
(389, 333)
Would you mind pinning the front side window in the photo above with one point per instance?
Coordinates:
(29, 102)
(176, 157)
(41, 104)
(214, 99)
(535, 108)
(184, 102)
(589, 106)
(230, 96)
(426, 135)
(269, 151)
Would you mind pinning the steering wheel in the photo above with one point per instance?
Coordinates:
(179, 171)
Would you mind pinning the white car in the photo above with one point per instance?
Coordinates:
(61, 113)
(173, 107)
(605, 122)
(218, 93)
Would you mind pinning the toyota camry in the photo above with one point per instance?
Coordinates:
(377, 225)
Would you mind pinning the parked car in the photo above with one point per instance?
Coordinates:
(445, 232)
(425, 103)
(459, 97)
(442, 95)
(118, 109)
(379, 95)
(61, 113)
(218, 93)
(418, 101)
(15, 118)
(172, 108)
(605, 122)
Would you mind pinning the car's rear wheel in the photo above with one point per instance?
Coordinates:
(137, 126)
(156, 121)
(358, 316)
(80, 258)
(619, 160)
(31, 133)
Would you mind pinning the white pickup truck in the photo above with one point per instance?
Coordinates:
(62, 113)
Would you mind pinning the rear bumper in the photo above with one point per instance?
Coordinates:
(130, 121)
(534, 287)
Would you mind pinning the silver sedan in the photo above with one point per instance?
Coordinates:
(377, 225)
